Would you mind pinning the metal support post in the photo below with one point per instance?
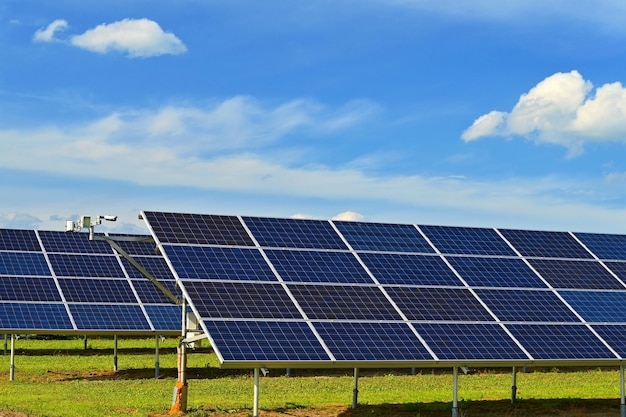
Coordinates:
(455, 392)
(288, 372)
(622, 405)
(5, 343)
(413, 371)
(85, 342)
(255, 407)
(115, 353)
(12, 368)
(355, 391)
(156, 354)
(179, 401)
(514, 386)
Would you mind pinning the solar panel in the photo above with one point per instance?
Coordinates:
(302, 293)
(383, 237)
(467, 240)
(546, 244)
(56, 282)
(605, 246)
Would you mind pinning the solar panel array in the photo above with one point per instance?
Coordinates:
(292, 292)
(55, 282)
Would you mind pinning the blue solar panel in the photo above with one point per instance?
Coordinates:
(314, 266)
(575, 274)
(526, 305)
(598, 306)
(165, 317)
(560, 341)
(438, 304)
(143, 247)
(390, 268)
(149, 293)
(32, 316)
(234, 264)
(101, 266)
(384, 237)
(467, 240)
(495, 272)
(97, 290)
(19, 240)
(294, 233)
(28, 289)
(614, 335)
(265, 341)
(605, 246)
(469, 341)
(545, 244)
(122, 317)
(23, 263)
(618, 268)
(60, 242)
(202, 229)
(372, 341)
(157, 267)
(335, 302)
(241, 300)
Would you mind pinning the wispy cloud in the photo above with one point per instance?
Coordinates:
(138, 38)
(564, 110)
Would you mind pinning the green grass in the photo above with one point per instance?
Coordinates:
(59, 378)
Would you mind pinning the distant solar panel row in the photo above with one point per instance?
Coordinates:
(54, 282)
(296, 292)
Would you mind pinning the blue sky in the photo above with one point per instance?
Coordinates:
(475, 113)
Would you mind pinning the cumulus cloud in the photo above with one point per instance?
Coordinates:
(563, 110)
(138, 38)
(48, 33)
(350, 216)
(19, 221)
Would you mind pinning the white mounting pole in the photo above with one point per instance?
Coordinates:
(455, 392)
(355, 391)
(255, 407)
(115, 352)
(12, 368)
(622, 405)
(514, 386)
(156, 354)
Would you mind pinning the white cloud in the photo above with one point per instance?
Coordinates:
(19, 221)
(560, 110)
(137, 37)
(47, 34)
(350, 216)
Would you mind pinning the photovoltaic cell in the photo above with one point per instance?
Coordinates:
(199, 229)
(495, 272)
(467, 240)
(241, 300)
(294, 233)
(97, 290)
(334, 302)
(150, 294)
(34, 316)
(526, 305)
(314, 266)
(100, 266)
(165, 317)
(438, 304)
(28, 289)
(124, 317)
(144, 247)
(560, 341)
(469, 341)
(19, 240)
(383, 237)
(157, 267)
(391, 269)
(614, 335)
(598, 306)
(545, 244)
(575, 274)
(60, 242)
(618, 268)
(371, 341)
(217, 263)
(265, 341)
(605, 246)
(23, 263)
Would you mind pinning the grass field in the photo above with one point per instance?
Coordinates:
(60, 378)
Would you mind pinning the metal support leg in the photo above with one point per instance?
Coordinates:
(514, 386)
(5, 343)
(179, 400)
(455, 392)
(156, 354)
(255, 409)
(12, 368)
(622, 406)
(413, 371)
(115, 353)
(355, 391)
